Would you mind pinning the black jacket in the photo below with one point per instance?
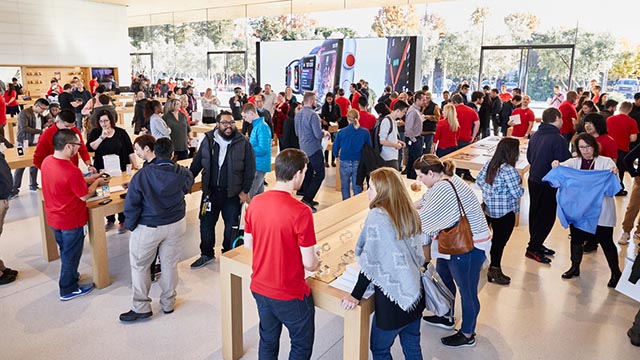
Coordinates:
(629, 160)
(241, 164)
(369, 161)
(155, 196)
(485, 112)
(496, 108)
(330, 113)
(545, 146)
(138, 121)
(6, 181)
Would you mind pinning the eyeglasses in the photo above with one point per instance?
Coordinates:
(78, 144)
(585, 147)
(227, 123)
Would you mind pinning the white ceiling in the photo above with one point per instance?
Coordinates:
(154, 12)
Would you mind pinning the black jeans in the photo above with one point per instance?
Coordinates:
(604, 236)
(414, 151)
(542, 213)
(502, 230)
(461, 172)
(299, 318)
(230, 209)
(313, 177)
(112, 218)
(621, 168)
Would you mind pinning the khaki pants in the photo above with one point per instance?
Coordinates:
(633, 207)
(4, 207)
(143, 244)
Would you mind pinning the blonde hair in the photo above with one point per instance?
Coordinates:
(449, 113)
(353, 116)
(393, 197)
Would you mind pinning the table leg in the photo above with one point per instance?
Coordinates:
(356, 334)
(232, 327)
(338, 184)
(49, 245)
(98, 242)
(12, 134)
(121, 118)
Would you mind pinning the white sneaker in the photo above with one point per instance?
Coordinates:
(624, 238)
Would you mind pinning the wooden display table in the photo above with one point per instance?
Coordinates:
(97, 234)
(123, 110)
(12, 125)
(329, 223)
(19, 162)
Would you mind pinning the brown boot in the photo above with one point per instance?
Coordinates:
(495, 275)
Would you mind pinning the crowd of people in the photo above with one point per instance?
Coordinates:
(410, 135)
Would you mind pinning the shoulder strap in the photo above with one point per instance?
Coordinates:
(460, 207)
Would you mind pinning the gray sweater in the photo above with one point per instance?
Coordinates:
(309, 131)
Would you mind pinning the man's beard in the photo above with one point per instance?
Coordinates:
(225, 136)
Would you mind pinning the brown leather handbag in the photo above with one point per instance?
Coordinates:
(457, 239)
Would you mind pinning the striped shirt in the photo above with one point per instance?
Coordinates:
(503, 196)
(438, 210)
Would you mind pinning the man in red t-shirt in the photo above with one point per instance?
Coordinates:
(527, 118)
(345, 106)
(66, 120)
(283, 245)
(624, 130)
(569, 115)
(355, 96)
(367, 120)
(3, 120)
(93, 84)
(65, 194)
(504, 94)
(469, 125)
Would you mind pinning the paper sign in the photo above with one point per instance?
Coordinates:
(112, 165)
(196, 116)
(515, 118)
(325, 142)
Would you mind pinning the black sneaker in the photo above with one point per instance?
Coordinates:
(459, 340)
(310, 205)
(622, 193)
(468, 177)
(539, 257)
(442, 322)
(202, 261)
(548, 252)
(10, 271)
(7, 278)
(14, 194)
(132, 316)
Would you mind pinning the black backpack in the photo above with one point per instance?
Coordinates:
(375, 134)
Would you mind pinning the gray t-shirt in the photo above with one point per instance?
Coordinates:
(388, 152)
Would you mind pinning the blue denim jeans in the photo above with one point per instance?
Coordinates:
(382, 340)
(428, 143)
(414, 151)
(299, 318)
(465, 271)
(348, 174)
(70, 243)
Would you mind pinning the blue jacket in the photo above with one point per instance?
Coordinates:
(156, 194)
(580, 195)
(260, 140)
(349, 143)
(545, 146)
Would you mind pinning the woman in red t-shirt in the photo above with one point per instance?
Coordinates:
(596, 126)
(447, 129)
(11, 99)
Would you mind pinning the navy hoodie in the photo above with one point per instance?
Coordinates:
(545, 146)
(156, 194)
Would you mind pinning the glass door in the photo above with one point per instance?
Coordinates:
(142, 63)
(227, 70)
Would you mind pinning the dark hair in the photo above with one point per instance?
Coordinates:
(425, 88)
(104, 99)
(517, 98)
(579, 89)
(418, 95)
(54, 80)
(591, 105)
(456, 99)
(610, 103)
(550, 115)
(42, 102)
(590, 140)
(329, 95)
(225, 113)
(476, 95)
(288, 163)
(67, 116)
(257, 90)
(431, 162)
(63, 137)
(400, 105)
(362, 101)
(507, 152)
(598, 121)
(109, 114)
(382, 109)
(636, 96)
(445, 92)
(14, 79)
(163, 149)
(517, 91)
(281, 93)
(495, 91)
(341, 92)
(150, 108)
(145, 140)
(54, 105)
(66, 87)
(464, 86)
(486, 87)
(100, 89)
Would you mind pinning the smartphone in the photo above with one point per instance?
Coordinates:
(123, 195)
(105, 176)
(105, 201)
(20, 150)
